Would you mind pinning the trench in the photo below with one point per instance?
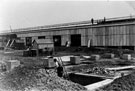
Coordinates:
(84, 79)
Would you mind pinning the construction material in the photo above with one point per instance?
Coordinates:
(108, 55)
(95, 57)
(95, 86)
(121, 68)
(48, 62)
(11, 64)
(126, 56)
(75, 60)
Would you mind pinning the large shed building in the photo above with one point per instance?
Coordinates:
(112, 32)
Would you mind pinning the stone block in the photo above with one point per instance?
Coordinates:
(95, 57)
(49, 62)
(75, 60)
(108, 55)
(126, 56)
(11, 64)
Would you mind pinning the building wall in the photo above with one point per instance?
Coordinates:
(123, 35)
(101, 35)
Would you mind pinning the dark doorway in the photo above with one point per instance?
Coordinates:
(57, 40)
(76, 40)
(28, 41)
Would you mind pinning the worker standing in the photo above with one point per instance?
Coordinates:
(59, 68)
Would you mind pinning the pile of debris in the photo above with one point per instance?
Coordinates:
(101, 71)
(95, 68)
(24, 78)
(126, 83)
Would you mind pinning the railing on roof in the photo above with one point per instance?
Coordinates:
(71, 24)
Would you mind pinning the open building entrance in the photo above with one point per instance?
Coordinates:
(76, 40)
(57, 40)
(28, 41)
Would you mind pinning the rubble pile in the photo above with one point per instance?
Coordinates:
(101, 71)
(126, 83)
(24, 78)
(89, 67)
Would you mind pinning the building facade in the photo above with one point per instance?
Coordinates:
(105, 32)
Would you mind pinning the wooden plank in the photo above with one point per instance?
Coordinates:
(111, 40)
(133, 39)
(90, 31)
(124, 29)
(83, 43)
(100, 31)
(124, 39)
(114, 30)
(97, 32)
(127, 40)
(93, 31)
(127, 30)
(121, 40)
(133, 29)
(108, 39)
(103, 31)
(106, 44)
(115, 40)
(103, 40)
(120, 30)
(98, 41)
(93, 38)
(110, 30)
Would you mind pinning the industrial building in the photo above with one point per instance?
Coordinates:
(107, 32)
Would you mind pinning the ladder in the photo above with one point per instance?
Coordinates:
(8, 44)
(12, 43)
(66, 74)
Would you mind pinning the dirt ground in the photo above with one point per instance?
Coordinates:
(126, 83)
(36, 79)
(29, 77)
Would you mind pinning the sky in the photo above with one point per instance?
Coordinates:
(28, 13)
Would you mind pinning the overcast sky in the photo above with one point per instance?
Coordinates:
(21, 14)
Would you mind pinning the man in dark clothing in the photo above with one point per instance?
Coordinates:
(59, 68)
